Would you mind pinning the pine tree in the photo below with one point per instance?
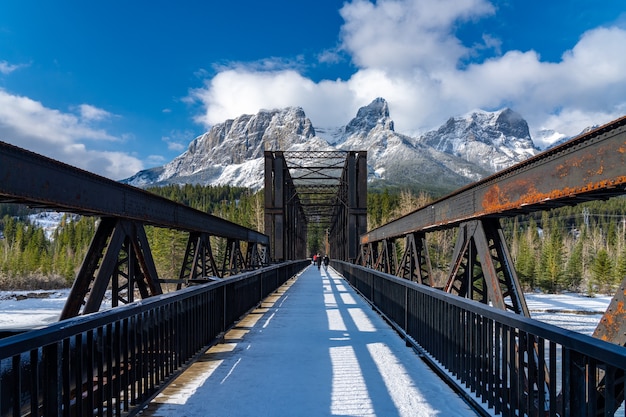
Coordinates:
(551, 260)
(527, 255)
(620, 267)
(574, 267)
(602, 272)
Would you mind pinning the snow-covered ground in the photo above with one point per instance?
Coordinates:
(30, 309)
(33, 309)
(570, 311)
(23, 310)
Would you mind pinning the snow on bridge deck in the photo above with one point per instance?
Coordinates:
(314, 348)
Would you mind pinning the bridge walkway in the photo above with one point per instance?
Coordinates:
(314, 348)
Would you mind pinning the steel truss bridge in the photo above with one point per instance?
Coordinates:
(327, 189)
(475, 331)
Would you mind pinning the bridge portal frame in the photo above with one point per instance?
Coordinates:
(288, 201)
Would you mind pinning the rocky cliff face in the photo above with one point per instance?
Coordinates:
(463, 150)
(232, 152)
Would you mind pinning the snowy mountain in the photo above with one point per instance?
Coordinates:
(463, 150)
(492, 140)
(395, 159)
(232, 152)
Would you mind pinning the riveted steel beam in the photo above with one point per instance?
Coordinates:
(119, 255)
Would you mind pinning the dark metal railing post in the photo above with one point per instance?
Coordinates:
(52, 377)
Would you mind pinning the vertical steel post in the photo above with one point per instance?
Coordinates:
(274, 203)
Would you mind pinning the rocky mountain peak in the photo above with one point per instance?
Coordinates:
(512, 124)
(247, 136)
(493, 140)
(374, 115)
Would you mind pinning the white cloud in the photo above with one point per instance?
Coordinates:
(177, 140)
(330, 56)
(156, 160)
(6, 68)
(406, 51)
(400, 36)
(89, 112)
(239, 91)
(28, 124)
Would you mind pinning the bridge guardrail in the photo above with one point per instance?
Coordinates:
(113, 362)
(485, 351)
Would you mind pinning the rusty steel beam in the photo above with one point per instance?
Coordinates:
(62, 187)
(612, 326)
(590, 166)
(483, 269)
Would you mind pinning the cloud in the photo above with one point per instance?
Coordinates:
(28, 124)
(177, 140)
(407, 52)
(92, 113)
(234, 92)
(401, 36)
(6, 68)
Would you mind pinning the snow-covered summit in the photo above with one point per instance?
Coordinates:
(492, 140)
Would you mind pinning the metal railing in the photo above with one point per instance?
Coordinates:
(502, 362)
(113, 362)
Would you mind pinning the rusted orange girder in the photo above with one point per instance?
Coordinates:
(588, 167)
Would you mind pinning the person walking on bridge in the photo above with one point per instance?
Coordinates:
(318, 261)
(326, 261)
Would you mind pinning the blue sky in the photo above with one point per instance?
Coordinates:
(118, 86)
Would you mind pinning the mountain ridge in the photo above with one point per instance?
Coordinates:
(462, 150)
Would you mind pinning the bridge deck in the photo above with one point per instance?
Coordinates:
(313, 348)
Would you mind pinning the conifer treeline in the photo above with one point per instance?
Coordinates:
(580, 248)
(29, 260)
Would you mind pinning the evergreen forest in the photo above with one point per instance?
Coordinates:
(580, 248)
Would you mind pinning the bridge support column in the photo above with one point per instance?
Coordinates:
(351, 213)
(275, 167)
(415, 264)
(482, 268)
(285, 222)
(118, 254)
(199, 262)
(387, 260)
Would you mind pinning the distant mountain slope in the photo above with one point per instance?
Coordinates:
(463, 150)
